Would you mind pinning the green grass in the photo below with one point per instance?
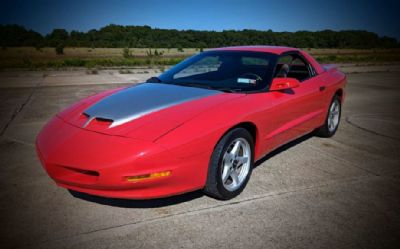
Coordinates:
(370, 58)
(30, 58)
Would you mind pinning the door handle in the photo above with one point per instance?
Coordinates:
(322, 88)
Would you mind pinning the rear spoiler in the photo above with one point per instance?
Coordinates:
(330, 67)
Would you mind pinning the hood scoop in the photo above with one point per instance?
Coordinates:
(98, 119)
(137, 101)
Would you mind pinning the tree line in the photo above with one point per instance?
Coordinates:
(117, 36)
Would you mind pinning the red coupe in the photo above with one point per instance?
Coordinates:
(200, 125)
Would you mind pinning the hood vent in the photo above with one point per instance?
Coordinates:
(98, 119)
(135, 102)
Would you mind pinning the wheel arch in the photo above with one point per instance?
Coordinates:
(339, 93)
(211, 187)
(251, 128)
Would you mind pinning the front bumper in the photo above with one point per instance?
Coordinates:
(99, 164)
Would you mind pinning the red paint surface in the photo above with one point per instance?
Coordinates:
(97, 159)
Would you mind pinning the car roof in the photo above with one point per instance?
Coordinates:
(269, 49)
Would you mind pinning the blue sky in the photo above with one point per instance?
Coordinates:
(285, 15)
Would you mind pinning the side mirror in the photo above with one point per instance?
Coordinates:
(153, 80)
(284, 83)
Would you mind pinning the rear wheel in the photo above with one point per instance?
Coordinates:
(231, 165)
(332, 120)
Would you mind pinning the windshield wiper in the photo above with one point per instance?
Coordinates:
(228, 90)
(222, 89)
(193, 85)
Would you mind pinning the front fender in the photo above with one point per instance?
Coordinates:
(201, 134)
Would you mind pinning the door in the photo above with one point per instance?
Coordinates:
(295, 111)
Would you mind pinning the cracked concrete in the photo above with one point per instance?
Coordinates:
(342, 192)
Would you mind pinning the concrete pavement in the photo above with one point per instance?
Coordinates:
(342, 192)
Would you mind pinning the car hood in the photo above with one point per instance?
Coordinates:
(145, 111)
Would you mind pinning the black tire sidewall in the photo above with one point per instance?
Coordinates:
(324, 130)
(217, 157)
(335, 98)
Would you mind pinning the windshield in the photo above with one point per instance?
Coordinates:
(224, 70)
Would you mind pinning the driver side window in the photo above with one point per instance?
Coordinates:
(283, 66)
(293, 66)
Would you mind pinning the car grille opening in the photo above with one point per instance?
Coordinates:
(83, 171)
(73, 175)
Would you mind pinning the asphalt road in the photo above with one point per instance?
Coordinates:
(342, 192)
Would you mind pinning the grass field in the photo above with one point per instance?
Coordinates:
(31, 58)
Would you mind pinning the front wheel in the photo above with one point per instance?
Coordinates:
(231, 165)
(332, 120)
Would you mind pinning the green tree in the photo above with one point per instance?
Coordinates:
(56, 37)
(146, 37)
(60, 48)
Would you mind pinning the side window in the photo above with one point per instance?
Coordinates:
(298, 62)
(282, 67)
(286, 59)
(293, 66)
(299, 69)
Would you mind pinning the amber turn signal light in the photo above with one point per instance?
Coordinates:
(148, 176)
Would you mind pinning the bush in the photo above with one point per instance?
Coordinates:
(149, 53)
(125, 53)
(180, 49)
(60, 48)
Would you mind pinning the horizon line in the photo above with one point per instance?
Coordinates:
(199, 30)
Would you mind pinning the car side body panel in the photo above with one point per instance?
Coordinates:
(279, 117)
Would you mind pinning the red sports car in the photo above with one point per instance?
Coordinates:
(200, 125)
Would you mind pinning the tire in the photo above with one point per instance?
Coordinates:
(228, 161)
(332, 121)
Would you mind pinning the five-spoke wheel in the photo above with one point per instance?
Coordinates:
(231, 164)
(332, 120)
(236, 164)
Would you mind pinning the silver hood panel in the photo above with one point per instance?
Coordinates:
(138, 101)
